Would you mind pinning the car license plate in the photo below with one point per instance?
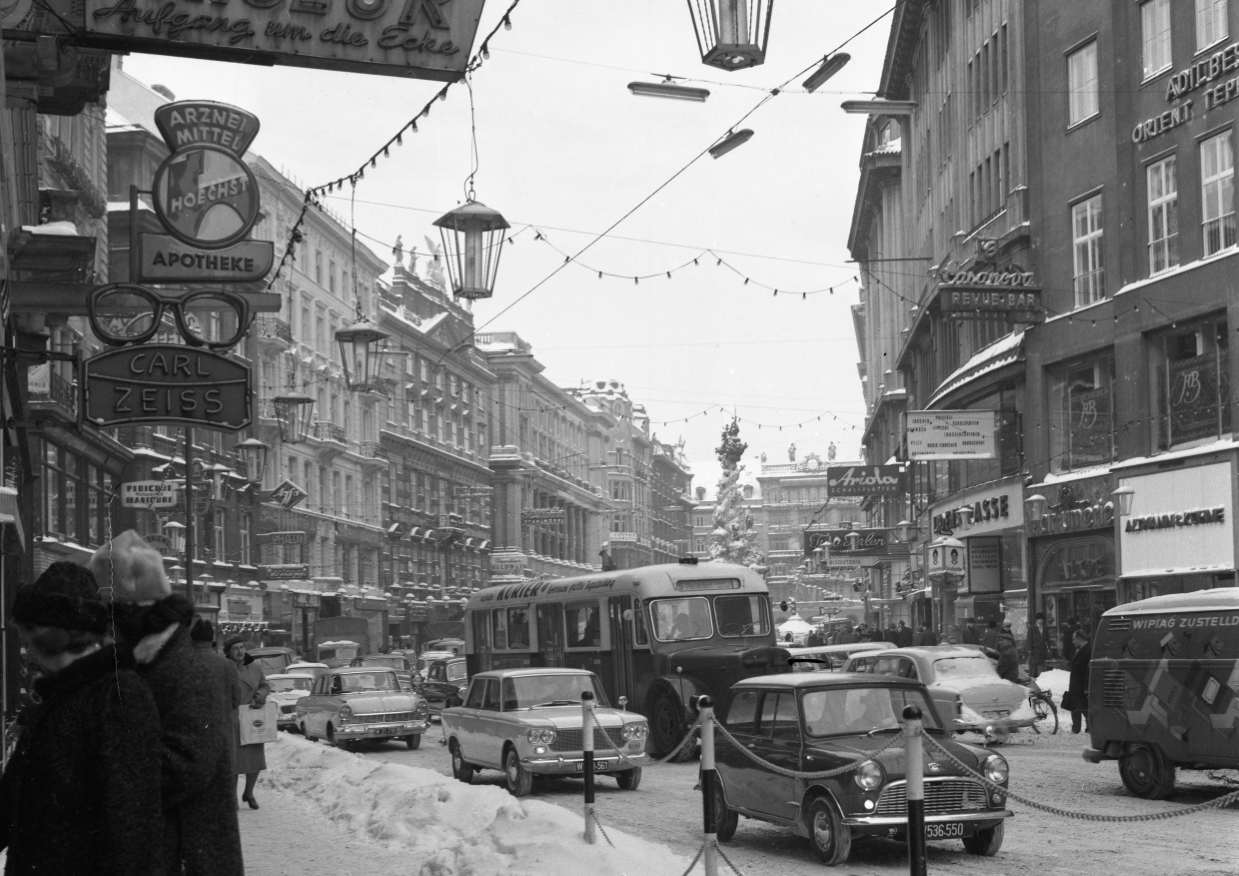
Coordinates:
(386, 731)
(949, 830)
(599, 766)
(1001, 713)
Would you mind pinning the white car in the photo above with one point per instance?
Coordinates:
(286, 690)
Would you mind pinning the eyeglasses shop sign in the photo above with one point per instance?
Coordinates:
(421, 39)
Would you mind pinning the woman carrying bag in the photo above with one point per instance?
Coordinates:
(250, 759)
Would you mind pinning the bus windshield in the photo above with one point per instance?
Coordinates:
(682, 618)
(742, 615)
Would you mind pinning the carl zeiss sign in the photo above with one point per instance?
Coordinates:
(864, 480)
(422, 39)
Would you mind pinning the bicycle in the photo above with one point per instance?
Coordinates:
(1042, 702)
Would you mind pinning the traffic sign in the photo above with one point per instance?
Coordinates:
(148, 494)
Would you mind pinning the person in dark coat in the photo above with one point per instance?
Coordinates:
(989, 639)
(903, 635)
(80, 795)
(924, 637)
(202, 636)
(1038, 646)
(1008, 656)
(844, 636)
(1069, 632)
(201, 836)
(1075, 700)
(970, 635)
(253, 691)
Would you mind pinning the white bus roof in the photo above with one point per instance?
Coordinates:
(1216, 599)
(625, 579)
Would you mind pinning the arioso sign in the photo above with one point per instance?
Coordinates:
(864, 480)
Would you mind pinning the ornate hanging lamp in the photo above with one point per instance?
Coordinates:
(731, 34)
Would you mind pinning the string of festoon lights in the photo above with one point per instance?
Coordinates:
(748, 421)
(704, 255)
(312, 195)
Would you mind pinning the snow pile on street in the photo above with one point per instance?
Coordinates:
(455, 829)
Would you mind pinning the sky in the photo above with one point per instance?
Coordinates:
(565, 151)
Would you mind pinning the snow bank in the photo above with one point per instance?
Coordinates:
(453, 828)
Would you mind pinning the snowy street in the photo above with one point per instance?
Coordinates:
(390, 810)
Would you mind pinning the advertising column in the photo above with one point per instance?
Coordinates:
(1071, 551)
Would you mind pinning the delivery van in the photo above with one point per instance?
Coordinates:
(1164, 688)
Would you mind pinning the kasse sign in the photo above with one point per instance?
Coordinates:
(864, 480)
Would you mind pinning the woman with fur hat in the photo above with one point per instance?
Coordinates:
(254, 690)
(201, 837)
(81, 793)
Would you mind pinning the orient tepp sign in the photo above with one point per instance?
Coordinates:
(166, 383)
(421, 39)
(864, 480)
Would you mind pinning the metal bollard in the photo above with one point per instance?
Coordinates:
(915, 770)
(709, 779)
(587, 739)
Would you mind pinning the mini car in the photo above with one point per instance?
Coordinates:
(828, 658)
(272, 660)
(444, 684)
(815, 722)
(427, 657)
(348, 705)
(963, 683)
(527, 723)
(286, 690)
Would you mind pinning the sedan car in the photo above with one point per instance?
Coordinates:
(444, 684)
(527, 722)
(828, 658)
(348, 705)
(815, 722)
(963, 683)
(286, 690)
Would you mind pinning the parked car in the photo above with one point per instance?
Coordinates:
(286, 690)
(338, 653)
(964, 685)
(819, 721)
(527, 722)
(444, 685)
(347, 705)
(272, 660)
(828, 658)
(396, 662)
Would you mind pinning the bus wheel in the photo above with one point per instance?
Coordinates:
(1145, 772)
(667, 728)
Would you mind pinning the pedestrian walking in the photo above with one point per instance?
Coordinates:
(201, 837)
(925, 636)
(1069, 632)
(970, 635)
(81, 794)
(1075, 700)
(202, 636)
(1038, 646)
(903, 635)
(989, 639)
(252, 691)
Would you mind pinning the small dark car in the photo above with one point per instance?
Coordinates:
(445, 684)
(816, 722)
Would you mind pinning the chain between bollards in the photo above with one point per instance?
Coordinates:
(587, 740)
(915, 789)
(709, 781)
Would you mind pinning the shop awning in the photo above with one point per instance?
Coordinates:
(415, 532)
(485, 545)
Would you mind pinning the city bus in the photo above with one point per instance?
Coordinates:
(656, 636)
(1162, 688)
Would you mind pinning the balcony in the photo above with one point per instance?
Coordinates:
(325, 431)
(271, 328)
(59, 395)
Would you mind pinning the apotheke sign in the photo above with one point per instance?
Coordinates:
(422, 39)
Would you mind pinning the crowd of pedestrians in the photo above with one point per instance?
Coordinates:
(127, 757)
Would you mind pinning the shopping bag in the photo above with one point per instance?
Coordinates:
(258, 725)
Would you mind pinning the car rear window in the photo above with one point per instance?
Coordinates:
(964, 667)
(456, 671)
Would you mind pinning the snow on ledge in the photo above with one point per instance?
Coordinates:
(62, 229)
(452, 827)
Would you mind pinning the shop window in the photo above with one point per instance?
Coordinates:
(1191, 383)
(1081, 413)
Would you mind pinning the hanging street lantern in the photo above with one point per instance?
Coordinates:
(253, 454)
(359, 347)
(292, 411)
(473, 237)
(731, 34)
